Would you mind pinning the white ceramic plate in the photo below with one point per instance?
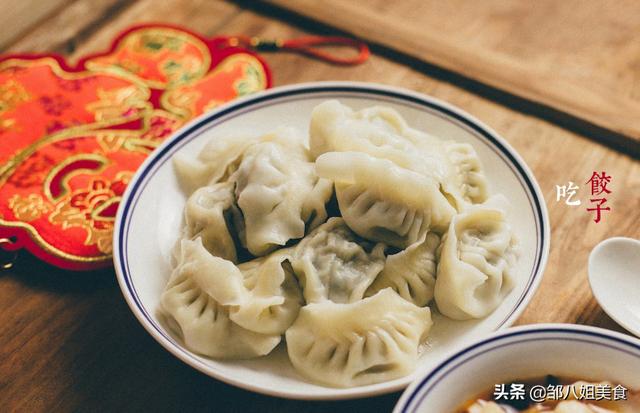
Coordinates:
(150, 217)
(528, 352)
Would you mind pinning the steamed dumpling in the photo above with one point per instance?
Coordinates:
(334, 264)
(215, 163)
(411, 272)
(228, 311)
(372, 340)
(351, 315)
(382, 133)
(378, 131)
(205, 328)
(381, 201)
(278, 192)
(476, 262)
(465, 180)
(274, 295)
(196, 304)
(208, 216)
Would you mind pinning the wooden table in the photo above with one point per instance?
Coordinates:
(69, 341)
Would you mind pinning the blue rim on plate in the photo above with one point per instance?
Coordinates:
(412, 399)
(238, 107)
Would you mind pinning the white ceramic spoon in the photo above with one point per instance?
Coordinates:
(614, 275)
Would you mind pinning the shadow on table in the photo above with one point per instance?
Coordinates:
(41, 276)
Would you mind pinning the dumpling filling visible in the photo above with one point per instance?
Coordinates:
(343, 241)
(334, 264)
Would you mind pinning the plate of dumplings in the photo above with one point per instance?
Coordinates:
(329, 240)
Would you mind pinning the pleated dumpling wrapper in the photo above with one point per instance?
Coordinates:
(411, 272)
(369, 341)
(383, 202)
(477, 260)
(381, 132)
(224, 311)
(278, 192)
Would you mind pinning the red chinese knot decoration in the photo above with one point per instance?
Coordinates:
(72, 137)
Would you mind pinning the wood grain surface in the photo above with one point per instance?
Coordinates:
(69, 341)
(581, 58)
(17, 17)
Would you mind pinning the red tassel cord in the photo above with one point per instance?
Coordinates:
(308, 45)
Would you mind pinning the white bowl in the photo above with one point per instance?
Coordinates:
(150, 217)
(528, 352)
